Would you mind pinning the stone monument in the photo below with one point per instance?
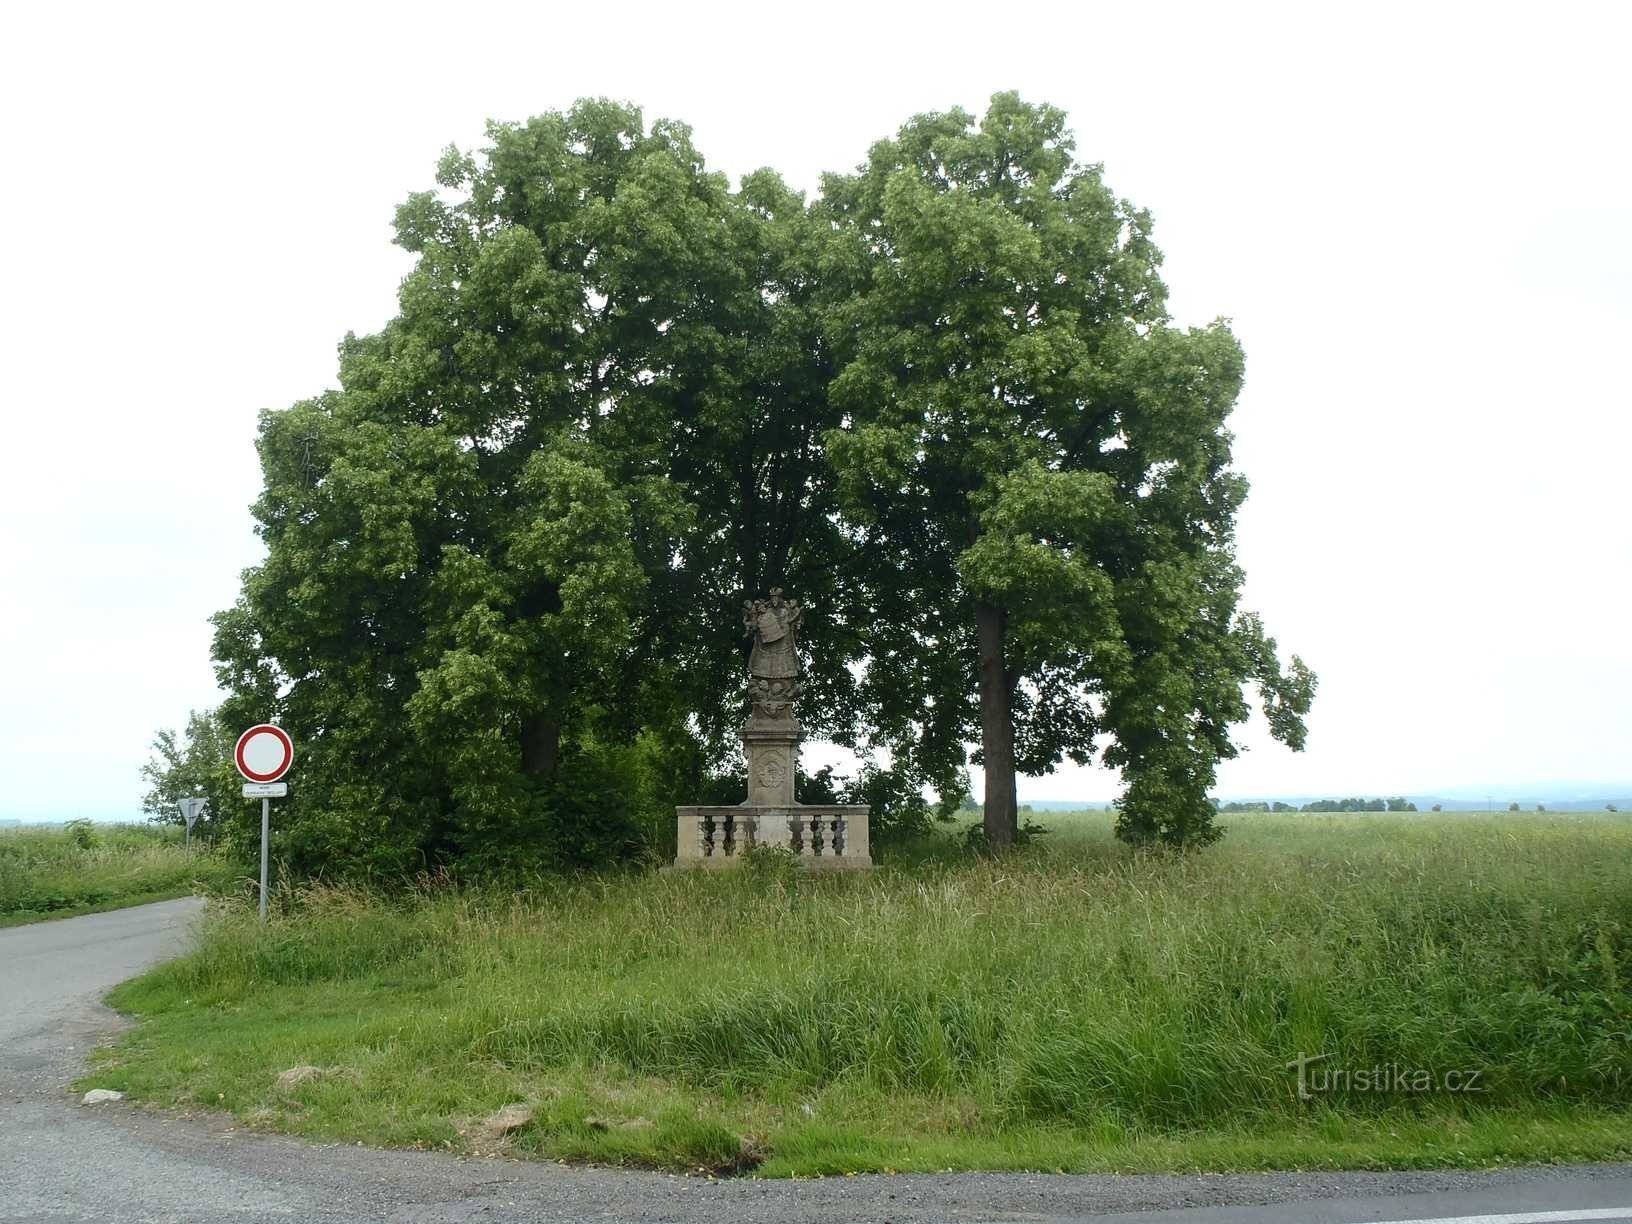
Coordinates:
(818, 835)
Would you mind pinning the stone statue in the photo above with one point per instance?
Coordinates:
(773, 663)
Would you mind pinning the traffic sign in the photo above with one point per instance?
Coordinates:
(264, 753)
(190, 808)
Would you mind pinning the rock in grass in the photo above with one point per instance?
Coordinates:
(97, 1096)
(296, 1076)
(510, 1118)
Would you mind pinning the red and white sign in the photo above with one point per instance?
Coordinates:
(264, 753)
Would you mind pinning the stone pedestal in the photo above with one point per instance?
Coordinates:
(772, 749)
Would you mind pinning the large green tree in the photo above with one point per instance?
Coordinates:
(521, 528)
(1036, 464)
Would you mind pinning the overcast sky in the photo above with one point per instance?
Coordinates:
(1419, 219)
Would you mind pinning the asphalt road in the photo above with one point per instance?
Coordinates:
(61, 1161)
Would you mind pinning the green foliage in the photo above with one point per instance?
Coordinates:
(966, 1007)
(584, 815)
(78, 867)
(773, 866)
(899, 810)
(975, 839)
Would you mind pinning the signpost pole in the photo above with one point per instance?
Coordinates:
(266, 821)
(189, 809)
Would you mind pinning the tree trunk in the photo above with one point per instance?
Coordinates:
(540, 746)
(996, 729)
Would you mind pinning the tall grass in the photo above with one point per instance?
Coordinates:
(1076, 985)
(51, 870)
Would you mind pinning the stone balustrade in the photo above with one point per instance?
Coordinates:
(817, 835)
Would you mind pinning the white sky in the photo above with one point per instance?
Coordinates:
(1418, 217)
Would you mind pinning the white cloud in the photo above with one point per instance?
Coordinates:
(1417, 221)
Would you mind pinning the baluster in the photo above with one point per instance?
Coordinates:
(815, 835)
(706, 820)
(796, 841)
(730, 835)
(838, 835)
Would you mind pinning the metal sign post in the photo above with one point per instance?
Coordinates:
(266, 829)
(265, 792)
(263, 755)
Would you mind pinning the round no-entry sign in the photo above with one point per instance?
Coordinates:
(264, 753)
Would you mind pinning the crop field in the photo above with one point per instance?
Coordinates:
(56, 871)
(1458, 988)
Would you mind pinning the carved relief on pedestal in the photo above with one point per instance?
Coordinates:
(773, 770)
(770, 771)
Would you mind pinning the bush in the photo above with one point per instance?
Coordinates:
(589, 814)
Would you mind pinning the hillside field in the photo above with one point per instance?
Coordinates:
(55, 871)
(1459, 986)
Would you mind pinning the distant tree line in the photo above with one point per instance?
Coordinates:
(1397, 804)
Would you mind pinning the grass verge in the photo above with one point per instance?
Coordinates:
(1075, 1007)
(63, 871)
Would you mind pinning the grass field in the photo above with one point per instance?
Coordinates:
(1075, 1007)
(56, 871)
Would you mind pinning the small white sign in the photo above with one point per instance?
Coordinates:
(190, 809)
(265, 790)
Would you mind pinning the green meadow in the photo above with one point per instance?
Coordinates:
(1074, 1006)
(55, 871)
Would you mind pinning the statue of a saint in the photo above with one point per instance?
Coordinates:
(773, 663)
